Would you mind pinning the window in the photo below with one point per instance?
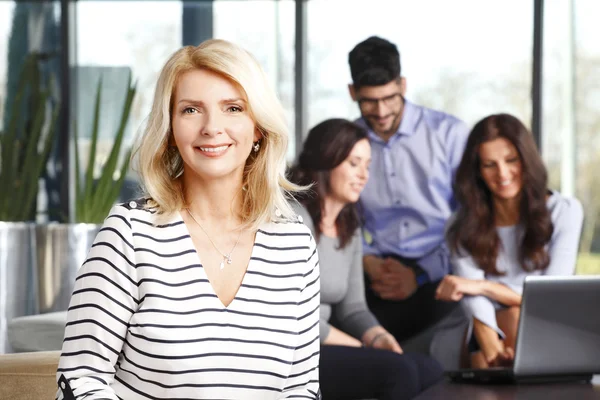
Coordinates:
(26, 27)
(266, 29)
(570, 124)
(140, 46)
(465, 57)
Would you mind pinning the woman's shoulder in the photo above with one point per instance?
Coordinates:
(143, 211)
(293, 226)
(302, 215)
(564, 208)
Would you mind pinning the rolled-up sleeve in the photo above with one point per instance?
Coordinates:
(479, 307)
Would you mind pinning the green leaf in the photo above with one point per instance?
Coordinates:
(21, 161)
(94, 199)
(30, 157)
(78, 194)
(40, 162)
(89, 175)
(10, 147)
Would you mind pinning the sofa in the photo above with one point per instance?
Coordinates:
(28, 376)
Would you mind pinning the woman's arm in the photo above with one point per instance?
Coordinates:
(352, 312)
(303, 378)
(564, 244)
(339, 338)
(104, 298)
(470, 280)
(454, 288)
(466, 287)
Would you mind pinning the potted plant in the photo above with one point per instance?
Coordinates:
(25, 144)
(62, 248)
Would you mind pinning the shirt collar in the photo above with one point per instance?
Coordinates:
(408, 124)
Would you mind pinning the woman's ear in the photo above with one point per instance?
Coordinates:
(257, 135)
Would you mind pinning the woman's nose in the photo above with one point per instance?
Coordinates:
(212, 125)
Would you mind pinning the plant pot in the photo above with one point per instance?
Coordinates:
(61, 249)
(18, 283)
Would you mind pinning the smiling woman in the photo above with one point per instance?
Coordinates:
(509, 225)
(335, 158)
(213, 106)
(181, 291)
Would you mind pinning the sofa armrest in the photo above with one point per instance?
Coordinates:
(25, 376)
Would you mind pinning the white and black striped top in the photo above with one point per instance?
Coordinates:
(145, 323)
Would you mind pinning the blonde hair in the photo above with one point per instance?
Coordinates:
(265, 187)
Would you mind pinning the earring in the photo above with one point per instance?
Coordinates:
(256, 147)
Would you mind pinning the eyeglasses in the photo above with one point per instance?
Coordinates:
(388, 101)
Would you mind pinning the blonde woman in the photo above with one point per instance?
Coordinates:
(209, 286)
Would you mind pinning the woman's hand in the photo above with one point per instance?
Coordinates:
(494, 352)
(378, 338)
(387, 342)
(453, 288)
(340, 338)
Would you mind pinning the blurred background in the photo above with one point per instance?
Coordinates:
(98, 62)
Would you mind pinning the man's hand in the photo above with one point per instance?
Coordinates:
(453, 288)
(397, 281)
(373, 266)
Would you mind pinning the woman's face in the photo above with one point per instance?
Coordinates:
(212, 127)
(501, 169)
(348, 179)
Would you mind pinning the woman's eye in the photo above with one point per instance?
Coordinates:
(189, 110)
(234, 109)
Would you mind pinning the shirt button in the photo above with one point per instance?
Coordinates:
(132, 204)
(397, 202)
(392, 174)
(277, 212)
(300, 219)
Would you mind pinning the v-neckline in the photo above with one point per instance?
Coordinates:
(199, 259)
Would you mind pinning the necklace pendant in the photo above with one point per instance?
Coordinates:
(222, 265)
(228, 260)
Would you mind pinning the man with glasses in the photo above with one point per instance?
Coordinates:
(409, 196)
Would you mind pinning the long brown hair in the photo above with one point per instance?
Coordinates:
(473, 229)
(327, 145)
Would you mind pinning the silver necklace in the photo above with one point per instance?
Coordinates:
(226, 257)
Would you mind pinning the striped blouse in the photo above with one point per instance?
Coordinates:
(145, 323)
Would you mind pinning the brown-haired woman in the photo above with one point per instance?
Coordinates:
(509, 226)
(359, 359)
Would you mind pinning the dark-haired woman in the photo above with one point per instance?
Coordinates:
(509, 226)
(359, 358)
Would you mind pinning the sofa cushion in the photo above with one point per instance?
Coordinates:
(42, 332)
(28, 376)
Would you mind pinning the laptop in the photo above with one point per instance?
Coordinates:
(558, 337)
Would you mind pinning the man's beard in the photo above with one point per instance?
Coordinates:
(395, 124)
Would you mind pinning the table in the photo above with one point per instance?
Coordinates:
(551, 391)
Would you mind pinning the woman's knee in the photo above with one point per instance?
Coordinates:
(402, 377)
(428, 369)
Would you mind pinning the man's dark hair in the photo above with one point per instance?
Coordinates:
(374, 62)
